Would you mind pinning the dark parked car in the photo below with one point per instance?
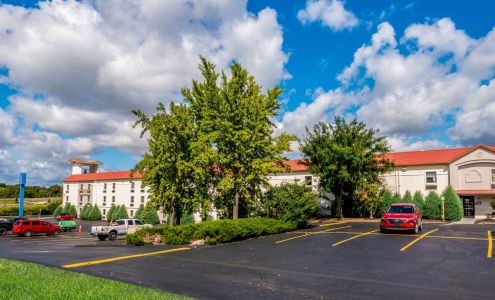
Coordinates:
(30, 227)
(402, 216)
(6, 224)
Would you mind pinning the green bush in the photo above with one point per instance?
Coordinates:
(418, 200)
(111, 212)
(431, 208)
(139, 212)
(94, 214)
(121, 213)
(222, 231)
(66, 208)
(52, 206)
(407, 198)
(57, 211)
(85, 211)
(29, 210)
(396, 198)
(187, 219)
(292, 202)
(387, 199)
(453, 206)
(150, 216)
(73, 210)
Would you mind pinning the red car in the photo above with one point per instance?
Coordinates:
(30, 227)
(65, 216)
(402, 216)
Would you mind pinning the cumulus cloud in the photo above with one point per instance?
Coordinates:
(80, 67)
(436, 79)
(330, 13)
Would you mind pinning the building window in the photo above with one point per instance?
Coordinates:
(132, 213)
(66, 198)
(104, 212)
(89, 186)
(308, 180)
(493, 175)
(104, 200)
(81, 186)
(132, 187)
(142, 199)
(132, 200)
(431, 177)
(104, 188)
(67, 188)
(113, 199)
(80, 200)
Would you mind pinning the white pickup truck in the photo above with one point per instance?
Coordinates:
(120, 227)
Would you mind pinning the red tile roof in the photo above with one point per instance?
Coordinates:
(475, 192)
(102, 176)
(431, 157)
(296, 165)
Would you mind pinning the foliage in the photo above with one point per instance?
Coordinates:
(29, 210)
(492, 203)
(369, 194)
(187, 219)
(150, 216)
(111, 213)
(57, 211)
(418, 200)
(22, 280)
(66, 208)
(407, 198)
(342, 154)
(72, 210)
(121, 213)
(85, 211)
(219, 231)
(292, 202)
(53, 205)
(12, 191)
(387, 199)
(453, 206)
(139, 212)
(432, 206)
(396, 198)
(94, 214)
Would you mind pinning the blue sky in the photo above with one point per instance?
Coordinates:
(70, 72)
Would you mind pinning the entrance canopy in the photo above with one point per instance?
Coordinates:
(475, 192)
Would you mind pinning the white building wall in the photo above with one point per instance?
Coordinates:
(413, 178)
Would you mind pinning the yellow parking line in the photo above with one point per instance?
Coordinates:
(417, 239)
(456, 237)
(101, 261)
(490, 247)
(354, 237)
(330, 224)
(310, 233)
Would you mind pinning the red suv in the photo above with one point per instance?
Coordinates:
(65, 216)
(402, 216)
(29, 227)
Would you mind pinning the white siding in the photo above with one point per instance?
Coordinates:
(413, 178)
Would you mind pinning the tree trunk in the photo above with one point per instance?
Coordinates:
(235, 210)
(338, 204)
(171, 219)
(371, 213)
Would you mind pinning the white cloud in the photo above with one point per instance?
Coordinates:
(330, 13)
(80, 67)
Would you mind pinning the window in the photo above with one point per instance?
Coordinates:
(308, 180)
(104, 200)
(142, 190)
(89, 186)
(104, 212)
(81, 186)
(431, 177)
(132, 187)
(132, 214)
(132, 200)
(67, 188)
(104, 186)
(401, 209)
(137, 222)
(45, 223)
(113, 187)
(113, 199)
(35, 223)
(142, 199)
(66, 198)
(493, 175)
(121, 222)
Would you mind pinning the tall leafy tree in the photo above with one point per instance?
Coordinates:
(369, 194)
(344, 153)
(407, 198)
(235, 135)
(166, 167)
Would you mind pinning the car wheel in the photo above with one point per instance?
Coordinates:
(383, 230)
(416, 229)
(112, 236)
(102, 237)
(3, 231)
(56, 232)
(421, 226)
(28, 233)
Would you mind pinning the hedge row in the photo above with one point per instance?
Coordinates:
(212, 232)
(29, 209)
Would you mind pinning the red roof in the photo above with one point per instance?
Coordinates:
(296, 165)
(475, 192)
(432, 157)
(102, 176)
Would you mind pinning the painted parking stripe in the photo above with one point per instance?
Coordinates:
(354, 237)
(331, 224)
(417, 239)
(311, 233)
(490, 247)
(101, 261)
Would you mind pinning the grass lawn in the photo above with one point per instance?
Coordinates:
(21, 280)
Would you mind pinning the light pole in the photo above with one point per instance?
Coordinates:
(442, 199)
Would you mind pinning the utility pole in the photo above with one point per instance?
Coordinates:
(22, 185)
(442, 198)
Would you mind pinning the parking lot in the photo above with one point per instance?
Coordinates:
(333, 260)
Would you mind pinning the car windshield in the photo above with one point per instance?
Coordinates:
(401, 209)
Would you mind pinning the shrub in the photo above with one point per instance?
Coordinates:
(187, 219)
(66, 208)
(292, 202)
(111, 212)
(139, 212)
(121, 213)
(453, 205)
(396, 198)
(72, 210)
(29, 210)
(431, 208)
(407, 198)
(52, 206)
(94, 214)
(418, 200)
(85, 211)
(150, 216)
(211, 232)
(57, 211)
(387, 199)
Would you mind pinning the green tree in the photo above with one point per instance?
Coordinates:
(369, 195)
(58, 211)
(342, 154)
(453, 206)
(407, 198)
(72, 210)
(94, 214)
(396, 198)
(85, 211)
(292, 202)
(111, 212)
(139, 212)
(387, 199)
(66, 208)
(418, 200)
(431, 208)
(150, 215)
(235, 128)
(121, 213)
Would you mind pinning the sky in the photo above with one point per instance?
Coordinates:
(420, 71)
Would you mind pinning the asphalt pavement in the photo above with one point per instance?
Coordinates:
(345, 260)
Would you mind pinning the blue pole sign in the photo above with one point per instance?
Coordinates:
(22, 184)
